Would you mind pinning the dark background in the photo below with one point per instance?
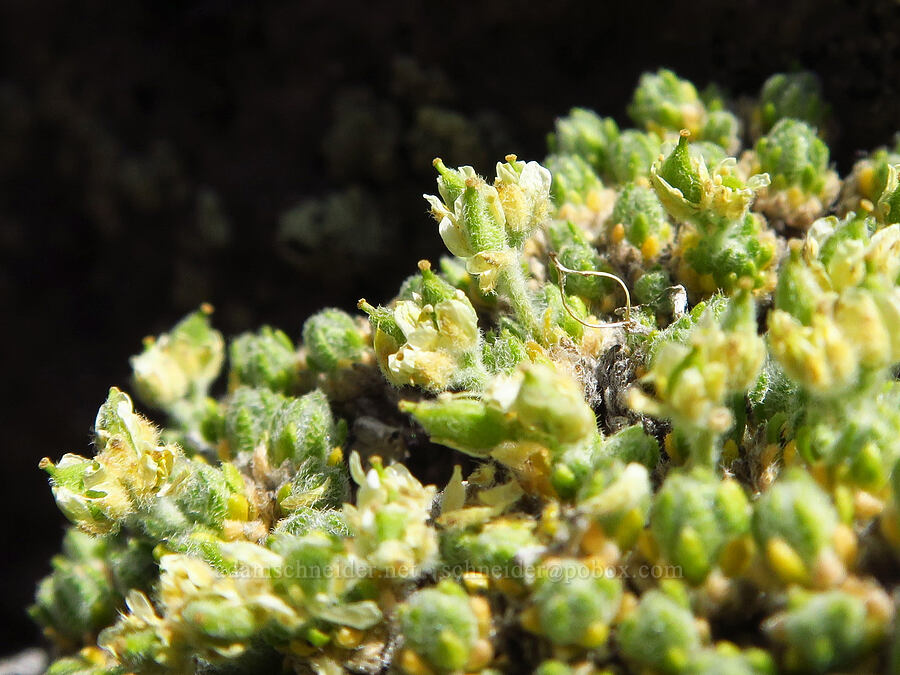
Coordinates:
(149, 151)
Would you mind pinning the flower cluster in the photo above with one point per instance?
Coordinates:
(649, 400)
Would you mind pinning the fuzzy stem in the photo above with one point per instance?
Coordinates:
(511, 283)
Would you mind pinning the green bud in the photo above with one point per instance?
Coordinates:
(434, 288)
(793, 523)
(307, 519)
(131, 564)
(77, 599)
(585, 135)
(551, 404)
(798, 288)
(617, 498)
(560, 323)
(553, 667)
(302, 428)
(219, 622)
(494, 549)
(248, 416)
(315, 485)
(792, 154)
(574, 180)
(199, 495)
(291, 428)
(684, 172)
(791, 95)
(267, 359)
(723, 129)
(664, 102)
(802, 185)
(503, 351)
(451, 183)
(575, 603)
(887, 209)
(660, 635)
(631, 156)
(823, 633)
(438, 624)
(694, 517)
(576, 252)
(633, 444)
(643, 218)
(651, 287)
(481, 221)
(332, 340)
(726, 659)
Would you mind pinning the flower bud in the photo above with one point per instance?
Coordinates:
(645, 222)
(617, 499)
(574, 180)
(440, 627)
(824, 632)
(77, 599)
(180, 364)
(332, 340)
(791, 95)
(723, 129)
(659, 635)
(267, 359)
(633, 444)
(89, 661)
(727, 659)
(552, 404)
(584, 134)
(631, 155)
(694, 517)
(577, 253)
(290, 428)
(794, 524)
(664, 102)
(494, 549)
(802, 185)
(576, 604)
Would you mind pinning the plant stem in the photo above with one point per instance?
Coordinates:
(511, 283)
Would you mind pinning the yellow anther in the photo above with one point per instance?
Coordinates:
(786, 562)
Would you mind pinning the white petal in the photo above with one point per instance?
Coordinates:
(454, 239)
